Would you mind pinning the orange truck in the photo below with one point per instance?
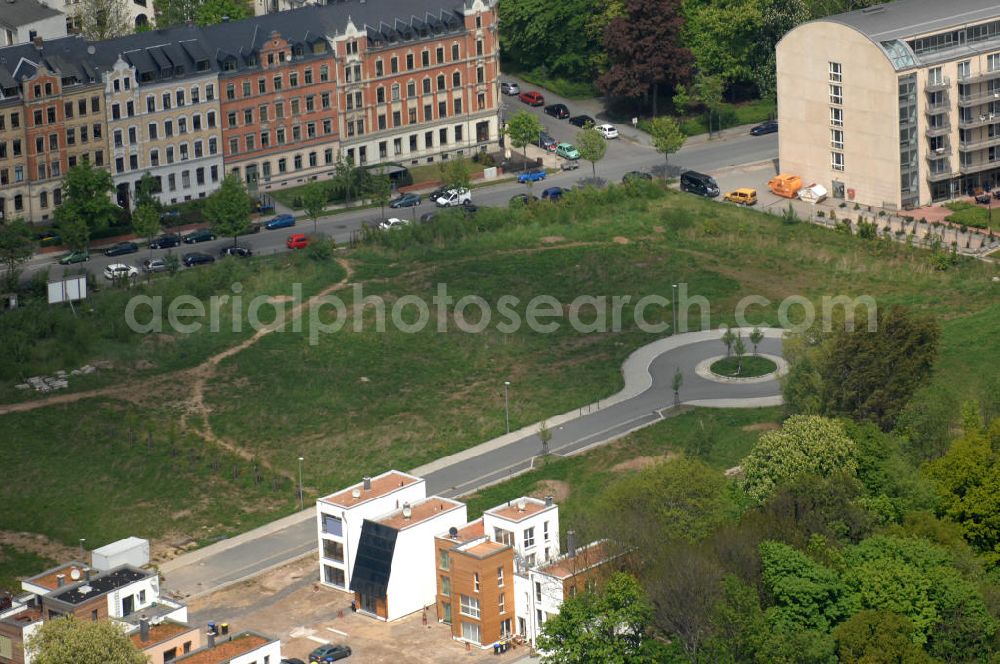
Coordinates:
(785, 185)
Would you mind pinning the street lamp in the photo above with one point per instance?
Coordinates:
(82, 540)
(506, 404)
(673, 308)
(301, 506)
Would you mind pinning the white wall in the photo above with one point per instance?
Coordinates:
(353, 517)
(413, 579)
(149, 584)
(271, 650)
(52, 27)
(536, 521)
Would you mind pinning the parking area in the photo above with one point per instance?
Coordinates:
(289, 604)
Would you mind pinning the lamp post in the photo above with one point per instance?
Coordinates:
(506, 403)
(82, 540)
(673, 308)
(301, 506)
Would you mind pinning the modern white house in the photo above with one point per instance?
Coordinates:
(529, 525)
(340, 515)
(23, 21)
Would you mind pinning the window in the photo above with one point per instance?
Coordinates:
(538, 594)
(209, 92)
(440, 82)
(295, 107)
(166, 100)
(118, 139)
(469, 606)
(379, 95)
(500, 577)
(308, 76)
(545, 531)
(454, 51)
(379, 69)
(427, 86)
(443, 559)
(250, 139)
(411, 89)
(332, 575)
(395, 91)
(502, 536)
(836, 94)
(529, 538)
(837, 161)
(277, 82)
(195, 95)
(837, 117)
(214, 173)
(439, 55)
(154, 157)
(837, 139)
(168, 128)
(234, 146)
(479, 46)
(397, 146)
(296, 133)
(279, 110)
(470, 631)
(282, 165)
(480, 74)
(116, 114)
(456, 80)
(179, 96)
(443, 135)
(502, 603)
(396, 118)
(213, 145)
(446, 585)
(170, 152)
(409, 61)
(352, 48)
(475, 581)
(293, 79)
(381, 121)
(43, 198)
(142, 597)
(458, 105)
(412, 114)
(993, 62)
(324, 100)
(934, 76)
(81, 109)
(446, 612)
(132, 136)
(836, 72)
(324, 73)
(333, 525)
(68, 111)
(428, 113)
(425, 58)
(172, 182)
(394, 65)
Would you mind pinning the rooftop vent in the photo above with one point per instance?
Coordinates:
(407, 511)
(356, 493)
(453, 532)
(60, 580)
(143, 629)
(548, 501)
(367, 483)
(571, 543)
(521, 504)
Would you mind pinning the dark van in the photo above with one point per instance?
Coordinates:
(699, 183)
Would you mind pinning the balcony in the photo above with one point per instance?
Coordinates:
(979, 98)
(933, 108)
(980, 120)
(980, 78)
(938, 176)
(937, 153)
(978, 166)
(938, 130)
(968, 146)
(938, 85)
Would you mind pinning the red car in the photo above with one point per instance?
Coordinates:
(532, 98)
(297, 241)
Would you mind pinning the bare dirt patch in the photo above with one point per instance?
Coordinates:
(39, 545)
(552, 239)
(761, 426)
(558, 489)
(280, 299)
(638, 463)
(618, 239)
(659, 229)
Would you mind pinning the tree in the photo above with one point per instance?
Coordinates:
(67, 639)
(104, 19)
(737, 622)
(146, 222)
(547, 35)
(645, 50)
(523, 128)
(211, 12)
(314, 199)
(804, 445)
(676, 383)
(592, 146)
(16, 246)
(346, 178)
(709, 90)
(806, 594)
(878, 637)
(739, 349)
(145, 193)
(756, 336)
(728, 339)
(667, 135)
(86, 204)
(545, 435)
(607, 626)
(379, 187)
(456, 173)
(228, 209)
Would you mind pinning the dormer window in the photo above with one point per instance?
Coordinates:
(298, 51)
(352, 48)
(229, 64)
(270, 58)
(252, 60)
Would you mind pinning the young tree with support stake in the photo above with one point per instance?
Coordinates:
(16, 246)
(756, 336)
(667, 136)
(380, 189)
(86, 206)
(228, 209)
(146, 222)
(592, 146)
(523, 128)
(314, 201)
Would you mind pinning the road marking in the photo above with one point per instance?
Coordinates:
(337, 631)
(318, 640)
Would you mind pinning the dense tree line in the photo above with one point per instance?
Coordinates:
(636, 49)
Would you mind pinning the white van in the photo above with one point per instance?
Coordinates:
(454, 197)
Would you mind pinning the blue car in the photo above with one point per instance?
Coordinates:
(552, 194)
(531, 176)
(281, 221)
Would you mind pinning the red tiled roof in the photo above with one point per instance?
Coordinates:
(484, 549)
(512, 513)
(420, 511)
(159, 633)
(590, 556)
(381, 485)
(226, 650)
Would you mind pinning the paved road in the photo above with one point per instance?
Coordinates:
(623, 155)
(646, 398)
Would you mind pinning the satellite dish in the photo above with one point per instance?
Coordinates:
(453, 532)
(91, 50)
(74, 574)
(407, 511)
(356, 493)
(521, 504)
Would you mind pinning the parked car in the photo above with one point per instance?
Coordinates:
(120, 271)
(75, 257)
(552, 194)
(170, 217)
(238, 251)
(254, 228)
(510, 88)
(769, 127)
(196, 258)
(297, 241)
(742, 196)
(454, 197)
(558, 111)
(534, 175)
(532, 98)
(281, 221)
(392, 223)
(635, 176)
(569, 165)
(546, 142)
(426, 217)
(405, 200)
(329, 653)
(522, 199)
(201, 235)
(154, 265)
(699, 183)
(567, 151)
(165, 241)
(608, 131)
(121, 249)
(48, 239)
(582, 121)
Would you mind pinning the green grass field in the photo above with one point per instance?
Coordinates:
(358, 403)
(16, 564)
(746, 367)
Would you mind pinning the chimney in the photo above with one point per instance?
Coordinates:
(571, 543)
(143, 629)
(367, 483)
(60, 580)
(86, 573)
(37, 41)
(548, 501)
(407, 512)
(211, 639)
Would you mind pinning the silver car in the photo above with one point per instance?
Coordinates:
(510, 88)
(154, 265)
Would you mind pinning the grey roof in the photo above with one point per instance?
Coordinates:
(17, 13)
(908, 18)
(160, 52)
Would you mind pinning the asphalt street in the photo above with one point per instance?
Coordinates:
(623, 155)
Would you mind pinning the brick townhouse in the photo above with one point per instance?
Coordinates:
(273, 99)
